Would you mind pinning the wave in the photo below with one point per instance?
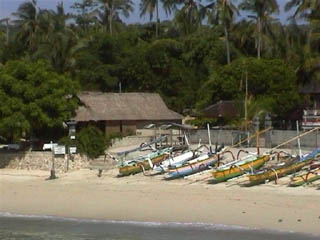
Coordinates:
(138, 223)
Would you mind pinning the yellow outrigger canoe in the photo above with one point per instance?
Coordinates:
(308, 177)
(238, 168)
(141, 166)
(283, 170)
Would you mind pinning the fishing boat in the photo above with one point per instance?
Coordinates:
(143, 163)
(239, 167)
(177, 161)
(199, 164)
(307, 177)
(283, 169)
(174, 161)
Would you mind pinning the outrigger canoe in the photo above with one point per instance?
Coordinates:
(175, 161)
(308, 177)
(238, 168)
(199, 164)
(143, 163)
(282, 170)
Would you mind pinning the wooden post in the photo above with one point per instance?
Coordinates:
(258, 143)
(52, 171)
(68, 156)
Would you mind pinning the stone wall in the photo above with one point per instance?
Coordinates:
(42, 161)
(276, 137)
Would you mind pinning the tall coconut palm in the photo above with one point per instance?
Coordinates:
(304, 8)
(113, 8)
(309, 10)
(28, 20)
(263, 9)
(84, 9)
(187, 16)
(6, 20)
(151, 6)
(223, 12)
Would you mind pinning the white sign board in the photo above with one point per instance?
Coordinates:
(72, 150)
(59, 150)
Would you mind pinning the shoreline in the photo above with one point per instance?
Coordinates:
(83, 195)
(195, 225)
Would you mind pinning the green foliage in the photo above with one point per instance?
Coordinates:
(33, 96)
(91, 142)
(111, 136)
(185, 62)
(202, 122)
(271, 81)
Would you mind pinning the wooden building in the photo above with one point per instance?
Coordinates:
(123, 112)
(311, 114)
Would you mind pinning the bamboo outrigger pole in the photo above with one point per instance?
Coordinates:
(248, 138)
(294, 138)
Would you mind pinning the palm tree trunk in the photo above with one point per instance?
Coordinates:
(111, 17)
(259, 38)
(158, 20)
(7, 22)
(226, 35)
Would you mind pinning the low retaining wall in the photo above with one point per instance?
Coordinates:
(42, 161)
(269, 139)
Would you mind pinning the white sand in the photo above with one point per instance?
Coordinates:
(144, 198)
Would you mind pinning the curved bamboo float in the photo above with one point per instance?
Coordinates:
(305, 178)
(239, 168)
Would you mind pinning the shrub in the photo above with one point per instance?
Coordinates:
(91, 141)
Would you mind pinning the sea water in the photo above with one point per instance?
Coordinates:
(14, 227)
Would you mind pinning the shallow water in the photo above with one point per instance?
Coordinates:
(13, 227)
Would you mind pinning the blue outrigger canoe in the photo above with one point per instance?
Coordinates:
(199, 164)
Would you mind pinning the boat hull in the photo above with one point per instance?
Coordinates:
(305, 178)
(141, 166)
(238, 170)
(191, 168)
(273, 174)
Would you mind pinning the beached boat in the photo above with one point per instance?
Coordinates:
(276, 172)
(199, 164)
(239, 167)
(175, 161)
(143, 163)
(308, 177)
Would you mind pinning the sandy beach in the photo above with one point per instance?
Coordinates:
(82, 194)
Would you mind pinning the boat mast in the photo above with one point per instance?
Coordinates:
(299, 146)
(209, 136)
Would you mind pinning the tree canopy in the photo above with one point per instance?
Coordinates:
(33, 96)
(196, 58)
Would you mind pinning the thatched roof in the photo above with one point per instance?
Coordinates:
(98, 106)
(225, 109)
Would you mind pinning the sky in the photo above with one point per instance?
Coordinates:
(7, 7)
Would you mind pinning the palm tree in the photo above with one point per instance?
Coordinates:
(223, 12)
(304, 8)
(262, 10)
(151, 6)
(28, 20)
(310, 60)
(6, 20)
(187, 17)
(113, 8)
(85, 13)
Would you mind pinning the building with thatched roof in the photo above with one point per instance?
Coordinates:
(123, 112)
